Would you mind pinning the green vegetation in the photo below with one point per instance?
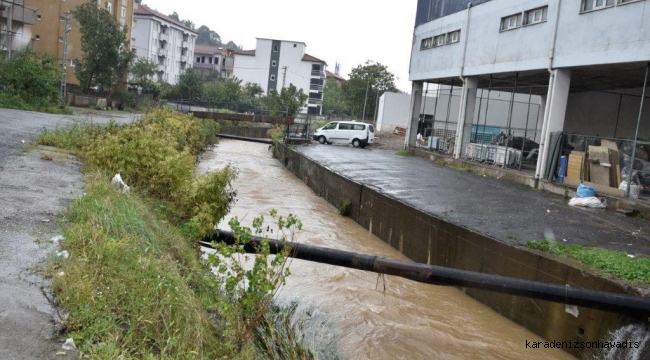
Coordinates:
(286, 103)
(370, 80)
(616, 263)
(104, 64)
(276, 133)
(346, 208)
(134, 285)
(404, 152)
(30, 82)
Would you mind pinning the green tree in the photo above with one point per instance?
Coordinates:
(143, 69)
(287, 103)
(334, 101)
(34, 78)
(367, 82)
(207, 37)
(253, 89)
(106, 58)
(190, 84)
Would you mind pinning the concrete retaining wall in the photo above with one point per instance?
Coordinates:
(245, 131)
(427, 239)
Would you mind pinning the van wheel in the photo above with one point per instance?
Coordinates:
(321, 140)
(356, 143)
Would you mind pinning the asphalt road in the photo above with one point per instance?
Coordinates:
(18, 128)
(33, 192)
(507, 211)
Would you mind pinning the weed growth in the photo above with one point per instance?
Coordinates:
(617, 263)
(404, 152)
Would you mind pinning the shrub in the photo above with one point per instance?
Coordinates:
(29, 81)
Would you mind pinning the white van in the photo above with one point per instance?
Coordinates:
(346, 132)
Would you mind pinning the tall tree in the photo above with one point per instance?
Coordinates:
(367, 82)
(334, 101)
(190, 84)
(143, 69)
(207, 36)
(106, 58)
(287, 103)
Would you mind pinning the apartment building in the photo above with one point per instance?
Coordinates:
(216, 59)
(166, 41)
(16, 20)
(48, 31)
(586, 59)
(275, 64)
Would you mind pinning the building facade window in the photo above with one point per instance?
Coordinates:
(272, 77)
(510, 22)
(535, 16)
(275, 48)
(426, 43)
(123, 11)
(588, 5)
(274, 63)
(453, 37)
(198, 59)
(439, 40)
(109, 8)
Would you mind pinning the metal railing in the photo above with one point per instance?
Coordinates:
(316, 87)
(319, 73)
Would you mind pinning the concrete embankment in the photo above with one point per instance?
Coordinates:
(432, 239)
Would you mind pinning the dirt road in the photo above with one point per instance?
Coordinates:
(33, 193)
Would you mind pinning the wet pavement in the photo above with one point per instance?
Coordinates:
(499, 208)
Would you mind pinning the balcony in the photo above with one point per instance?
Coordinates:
(315, 101)
(316, 87)
(185, 44)
(318, 73)
(183, 58)
(162, 52)
(163, 37)
(162, 68)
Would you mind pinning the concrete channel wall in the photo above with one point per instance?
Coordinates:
(245, 131)
(427, 239)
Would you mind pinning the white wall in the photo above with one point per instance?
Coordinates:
(611, 35)
(147, 43)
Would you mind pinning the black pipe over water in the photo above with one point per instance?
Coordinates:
(263, 141)
(438, 275)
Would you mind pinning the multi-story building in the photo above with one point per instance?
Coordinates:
(586, 59)
(216, 59)
(275, 64)
(16, 22)
(166, 41)
(49, 32)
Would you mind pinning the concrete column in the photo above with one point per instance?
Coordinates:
(558, 97)
(465, 115)
(414, 113)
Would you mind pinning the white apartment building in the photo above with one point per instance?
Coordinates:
(164, 40)
(586, 59)
(275, 64)
(209, 58)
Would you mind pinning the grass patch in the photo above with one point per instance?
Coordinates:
(47, 156)
(133, 286)
(459, 167)
(404, 152)
(610, 262)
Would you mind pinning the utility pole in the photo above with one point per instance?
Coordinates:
(366, 100)
(66, 29)
(284, 76)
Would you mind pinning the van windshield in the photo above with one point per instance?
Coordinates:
(330, 126)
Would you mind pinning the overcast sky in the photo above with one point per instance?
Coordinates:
(348, 31)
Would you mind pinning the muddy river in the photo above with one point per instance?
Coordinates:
(358, 314)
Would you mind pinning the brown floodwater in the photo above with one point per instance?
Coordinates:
(357, 314)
